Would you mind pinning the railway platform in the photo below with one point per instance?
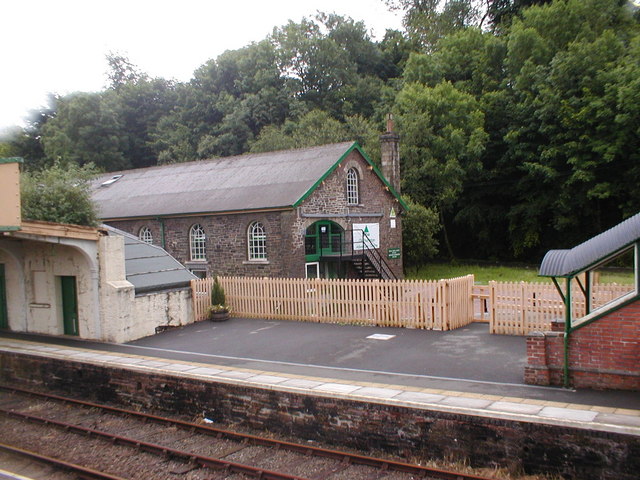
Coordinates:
(181, 352)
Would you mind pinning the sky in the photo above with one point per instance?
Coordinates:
(59, 46)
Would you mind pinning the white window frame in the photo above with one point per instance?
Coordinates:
(197, 243)
(353, 193)
(145, 235)
(256, 242)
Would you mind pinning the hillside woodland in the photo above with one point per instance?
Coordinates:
(519, 119)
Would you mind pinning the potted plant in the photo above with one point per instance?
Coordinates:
(218, 311)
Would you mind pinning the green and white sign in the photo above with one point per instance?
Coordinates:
(366, 235)
(393, 253)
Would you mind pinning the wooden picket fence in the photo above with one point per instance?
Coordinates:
(510, 308)
(434, 305)
(521, 308)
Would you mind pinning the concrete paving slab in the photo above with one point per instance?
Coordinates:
(377, 392)
(235, 374)
(336, 388)
(420, 397)
(178, 367)
(465, 402)
(511, 407)
(268, 379)
(568, 414)
(205, 371)
(301, 383)
(614, 419)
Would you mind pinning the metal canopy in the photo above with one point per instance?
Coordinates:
(569, 263)
(150, 268)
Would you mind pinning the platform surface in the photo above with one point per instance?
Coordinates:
(466, 371)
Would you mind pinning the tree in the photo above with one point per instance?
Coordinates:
(318, 128)
(86, 129)
(420, 226)
(59, 193)
(569, 138)
(443, 139)
(428, 21)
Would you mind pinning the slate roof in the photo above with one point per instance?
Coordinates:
(246, 182)
(568, 263)
(150, 268)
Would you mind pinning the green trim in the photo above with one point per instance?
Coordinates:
(555, 282)
(567, 331)
(196, 214)
(4, 228)
(12, 160)
(162, 232)
(353, 147)
(606, 312)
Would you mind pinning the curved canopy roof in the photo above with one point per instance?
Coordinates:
(150, 268)
(568, 263)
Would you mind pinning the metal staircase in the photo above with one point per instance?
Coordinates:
(364, 257)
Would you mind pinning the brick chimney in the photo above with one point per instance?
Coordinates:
(10, 215)
(390, 150)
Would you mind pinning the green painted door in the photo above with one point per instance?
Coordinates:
(69, 305)
(323, 238)
(4, 316)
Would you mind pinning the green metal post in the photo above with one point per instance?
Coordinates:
(161, 220)
(567, 330)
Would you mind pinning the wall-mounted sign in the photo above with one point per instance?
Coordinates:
(393, 253)
(366, 235)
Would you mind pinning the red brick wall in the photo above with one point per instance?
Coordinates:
(603, 355)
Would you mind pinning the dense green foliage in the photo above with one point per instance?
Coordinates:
(519, 119)
(60, 194)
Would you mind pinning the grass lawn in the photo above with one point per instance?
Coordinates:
(483, 273)
(501, 273)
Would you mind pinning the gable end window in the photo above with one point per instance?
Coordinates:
(145, 235)
(352, 187)
(257, 242)
(197, 243)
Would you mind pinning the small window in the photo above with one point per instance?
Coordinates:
(111, 181)
(145, 235)
(352, 187)
(257, 241)
(197, 243)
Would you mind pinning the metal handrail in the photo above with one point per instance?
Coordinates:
(369, 253)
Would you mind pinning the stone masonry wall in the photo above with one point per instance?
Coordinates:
(227, 234)
(416, 434)
(329, 201)
(603, 355)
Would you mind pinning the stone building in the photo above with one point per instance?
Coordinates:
(324, 211)
(94, 283)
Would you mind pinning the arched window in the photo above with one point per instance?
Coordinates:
(257, 242)
(145, 235)
(352, 187)
(197, 243)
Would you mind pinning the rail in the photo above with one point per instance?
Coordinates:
(307, 450)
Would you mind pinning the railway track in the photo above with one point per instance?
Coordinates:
(93, 437)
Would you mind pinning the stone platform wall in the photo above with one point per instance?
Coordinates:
(415, 434)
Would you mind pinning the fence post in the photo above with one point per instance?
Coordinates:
(523, 314)
(492, 309)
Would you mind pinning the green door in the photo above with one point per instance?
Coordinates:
(4, 316)
(322, 239)
(69, 305)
